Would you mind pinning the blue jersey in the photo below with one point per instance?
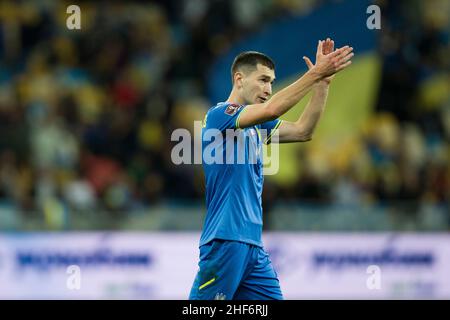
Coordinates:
(234, 180)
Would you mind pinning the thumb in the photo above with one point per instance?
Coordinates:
(308, 62)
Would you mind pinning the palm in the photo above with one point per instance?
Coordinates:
(327, 47)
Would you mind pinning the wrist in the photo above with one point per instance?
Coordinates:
(323, 84)
(315, 75)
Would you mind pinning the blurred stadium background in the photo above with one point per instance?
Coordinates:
(86, 118)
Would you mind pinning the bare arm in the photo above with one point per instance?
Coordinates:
(302, 129)
(281, 102)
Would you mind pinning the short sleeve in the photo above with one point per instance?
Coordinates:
(268, 129)
(224, 116)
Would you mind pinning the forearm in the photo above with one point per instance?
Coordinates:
(308, 120)
(288, 97)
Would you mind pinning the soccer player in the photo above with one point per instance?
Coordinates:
(233, 263)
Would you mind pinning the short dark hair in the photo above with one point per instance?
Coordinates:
(250, 59)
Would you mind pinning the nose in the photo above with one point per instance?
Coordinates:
(268, 89)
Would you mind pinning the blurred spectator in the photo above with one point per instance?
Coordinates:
(86, 117)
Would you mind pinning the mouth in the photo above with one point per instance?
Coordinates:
(262, 99)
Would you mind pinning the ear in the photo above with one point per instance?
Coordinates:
(238, 76)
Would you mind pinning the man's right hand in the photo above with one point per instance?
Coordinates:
(329, 64)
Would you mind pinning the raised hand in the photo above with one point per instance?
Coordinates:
(330, 61)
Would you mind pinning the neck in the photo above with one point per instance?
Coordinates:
(235, 97)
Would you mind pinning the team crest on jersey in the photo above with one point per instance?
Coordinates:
(232, 109)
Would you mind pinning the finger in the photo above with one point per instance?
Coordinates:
(332, 46)
(308, 62)
(342, 61)
(342, 53)
(320, 47)
(328, 46)
(343, 66)
(325, 47)
(346, 58)
(339, 51)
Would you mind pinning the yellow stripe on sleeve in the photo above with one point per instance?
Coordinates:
(236, 124)
(207, 283)
(273, 131)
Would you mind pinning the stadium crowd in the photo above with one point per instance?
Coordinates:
(86, 117)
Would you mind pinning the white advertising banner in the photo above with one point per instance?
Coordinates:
(362, 266)
(124, 265)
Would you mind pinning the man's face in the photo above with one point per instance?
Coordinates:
(256, 84)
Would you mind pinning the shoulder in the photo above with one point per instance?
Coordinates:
(225, 108)
(222, 116)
